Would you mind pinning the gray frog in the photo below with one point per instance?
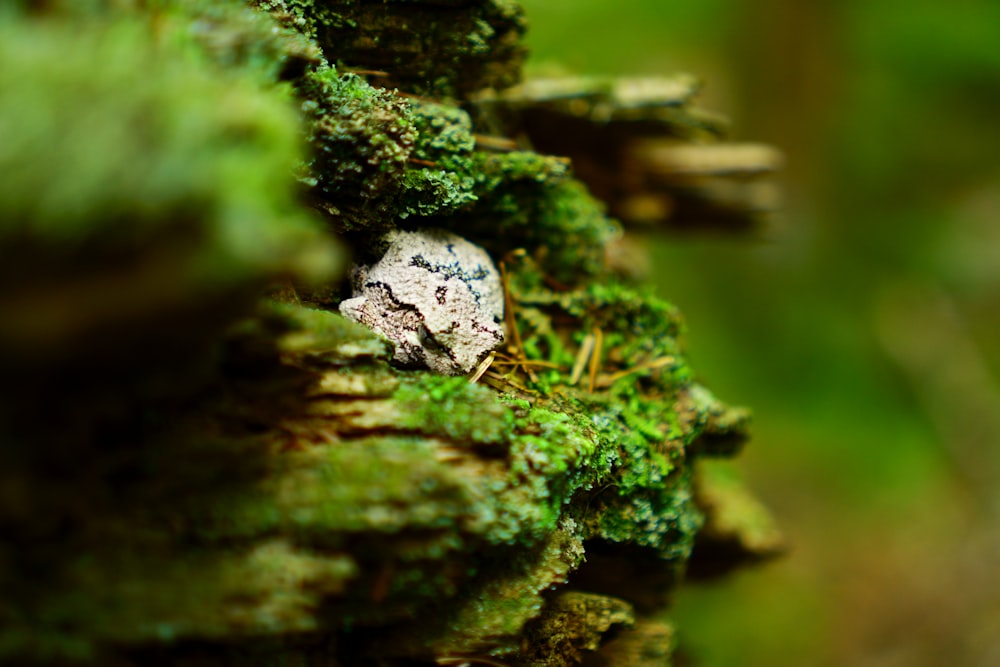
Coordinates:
(436, 296)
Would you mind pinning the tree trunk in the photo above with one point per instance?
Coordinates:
(203, 462)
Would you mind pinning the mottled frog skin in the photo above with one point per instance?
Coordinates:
(436, 296)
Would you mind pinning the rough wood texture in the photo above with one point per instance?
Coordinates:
(192, 473)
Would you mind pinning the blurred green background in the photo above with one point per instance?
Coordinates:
(861, 324)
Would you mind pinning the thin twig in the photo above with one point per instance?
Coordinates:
(608, 380)
(582, 357)
(483, 366)
(498, 381)
(512, 324)
(366, 72)
(495, 143)
(459, 661)
(527, 362)
(595, 358)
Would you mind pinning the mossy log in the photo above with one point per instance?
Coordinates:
(202, 462)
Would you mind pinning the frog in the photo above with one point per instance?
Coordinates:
(436, 296)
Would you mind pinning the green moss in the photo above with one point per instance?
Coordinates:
(664, 519)
(238, 143)
(434, 49)
(361, 139)
(489, 621)
(528, 201)
(146, 200)
(591, 455)
(641, 335)
(202, 211)
(631, 466)
(454, 471)
(324, 338)
(446, 134)
(452, 408)
(379, 158)
(387, 493)
(442, 177)
(230, 34)
(294, 13)
(234, 36)
(382, 157)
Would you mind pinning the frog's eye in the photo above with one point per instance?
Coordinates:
(427, 340)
